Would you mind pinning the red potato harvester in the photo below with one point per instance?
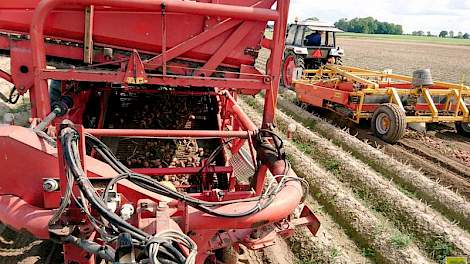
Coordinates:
(137, 151)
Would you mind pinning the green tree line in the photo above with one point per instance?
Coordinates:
(369, 25)
(442, 34)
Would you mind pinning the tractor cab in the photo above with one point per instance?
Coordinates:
(309, 45)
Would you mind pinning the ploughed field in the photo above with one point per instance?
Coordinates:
(440, 153)
(378, 203)
(447, 62)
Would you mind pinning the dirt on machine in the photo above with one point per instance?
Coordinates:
(136, 150)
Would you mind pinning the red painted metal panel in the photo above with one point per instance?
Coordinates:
(20, 215)
(315, 95)
(140, 31)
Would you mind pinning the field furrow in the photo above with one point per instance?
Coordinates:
(410, 215)
(441, 198)
(373, 233)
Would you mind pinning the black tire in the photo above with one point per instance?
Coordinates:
(299, 63)
(463, 129)
(396, 119)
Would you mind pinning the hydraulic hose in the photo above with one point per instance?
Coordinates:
(104, 252)
(69, 138)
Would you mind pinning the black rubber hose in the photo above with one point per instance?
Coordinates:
(96, 203)
(168, 261)
(173, 250)
(103, 252)
(117, 165)
(68, 139)
(64, 203)
(106, 151)
(164, 253)
(154, 186)
(12, 99)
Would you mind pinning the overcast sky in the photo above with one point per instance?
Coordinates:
(426, 15)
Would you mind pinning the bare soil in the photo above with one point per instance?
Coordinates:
(20, 110)
(16, 247)
(380, 192)
(447, 63)
(441, 144)
(433, 170)
(365, 227)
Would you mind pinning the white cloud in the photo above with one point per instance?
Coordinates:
(414, 15)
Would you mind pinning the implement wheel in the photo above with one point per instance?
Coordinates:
(389, 123)
(463, 128)
(291, 61)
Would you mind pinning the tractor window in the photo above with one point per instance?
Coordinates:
(331, 39)
(307, 35)
(315, 38)
(300, 36)
(291, 35)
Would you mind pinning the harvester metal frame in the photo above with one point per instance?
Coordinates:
(84, 25)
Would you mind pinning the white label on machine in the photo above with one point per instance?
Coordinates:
(297, 74)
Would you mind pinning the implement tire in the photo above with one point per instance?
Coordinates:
(463, 129)
(290, 62)
(389, 123)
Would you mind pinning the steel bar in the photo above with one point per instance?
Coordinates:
(399, 77)
(170, 80)
(274, 67)
(354, 77)
(434, 119)
(245, 121)
(189, 44)
(6, 76)
(169, 133)
(185, 170)
(238, 35)
(88, 39)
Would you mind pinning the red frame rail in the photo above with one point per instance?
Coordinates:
(210, 49)
(246, 79)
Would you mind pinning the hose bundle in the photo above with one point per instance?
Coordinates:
(162, 247)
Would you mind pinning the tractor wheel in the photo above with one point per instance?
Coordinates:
(389, 123)
(463, 128)
(291, 61)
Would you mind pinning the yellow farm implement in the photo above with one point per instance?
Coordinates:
(390, 101)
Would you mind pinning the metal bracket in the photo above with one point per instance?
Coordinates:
(135, 71)
(307, 218)
(88, 39)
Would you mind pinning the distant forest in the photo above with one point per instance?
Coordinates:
(369, 25)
